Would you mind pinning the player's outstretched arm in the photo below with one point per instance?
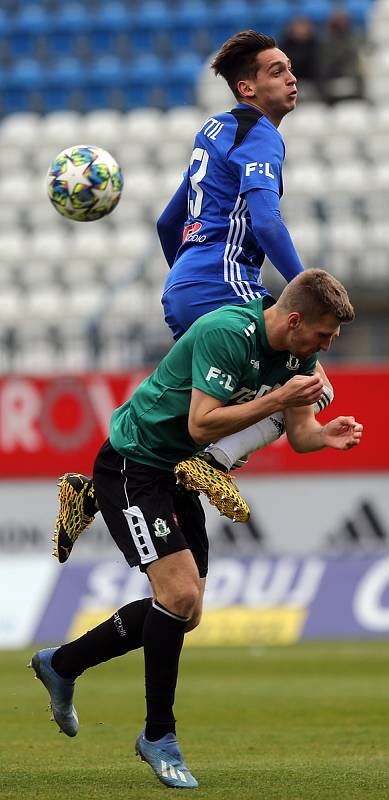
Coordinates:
(170, 224)
(306, 435)
(271, 232)
(342, 433)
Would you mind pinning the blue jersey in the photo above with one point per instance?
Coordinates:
(236, 156)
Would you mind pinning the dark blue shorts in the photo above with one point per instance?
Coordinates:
(184, 303)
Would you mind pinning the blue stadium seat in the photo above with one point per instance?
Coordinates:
(105, 77)
(271, 18)
(31, 23)
(359, 10)
(145, 81)
(107, 22)
(317, 10)
(71, 21)
(67, 79)
(186, 23)
(23, 84)
(180, 79)
(150, 18)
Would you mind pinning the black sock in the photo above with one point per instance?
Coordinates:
(163, 636)
(114, 637)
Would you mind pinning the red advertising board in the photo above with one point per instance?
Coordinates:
(52, 425)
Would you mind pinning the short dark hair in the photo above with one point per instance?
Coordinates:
(237, 58)
(314, 293)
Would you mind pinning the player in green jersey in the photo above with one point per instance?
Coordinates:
(233, 367)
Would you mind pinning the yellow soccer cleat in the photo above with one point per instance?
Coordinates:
(220, 488)
(77, 507)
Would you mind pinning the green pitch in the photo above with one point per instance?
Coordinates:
(295, 723)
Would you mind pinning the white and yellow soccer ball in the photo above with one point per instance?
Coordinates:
(84, 183)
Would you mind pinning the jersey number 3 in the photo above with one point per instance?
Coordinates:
(196, 196)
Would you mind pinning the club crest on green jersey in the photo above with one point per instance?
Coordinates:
(161, 528)
(292, 363)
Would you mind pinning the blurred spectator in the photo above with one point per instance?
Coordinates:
(300, 43)
(340, 60)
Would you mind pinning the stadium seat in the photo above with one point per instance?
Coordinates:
(150, 17)
(11, 303)
(340, 264)
(344, 146)
(308, 120)
(105, 79)
(47, 242)
(346, 235)
(45, 302)
(181, 124)
(145, 81)
(300, 148)
(20, 129)
(133, 242)
(359, 11)
(374, 204)
(85, 301)
(9, 217)
(351, 116)
(375, 266)
(179, 79)
(308, 177)
(31, 22)
(381, 116)
(270, 17)
(298, 207)
(132, 153)
(62, 129)
(171, 153)
(142, 126)
(103, 128)
(308, 240)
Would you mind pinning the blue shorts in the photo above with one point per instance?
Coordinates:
(183, 303)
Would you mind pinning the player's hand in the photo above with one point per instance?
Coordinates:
(342, 433)
(302, 390)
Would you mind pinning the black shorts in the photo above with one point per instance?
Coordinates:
(148, 515)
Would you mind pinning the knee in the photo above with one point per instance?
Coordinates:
(194, 621)
(187, 599)
(182, 599)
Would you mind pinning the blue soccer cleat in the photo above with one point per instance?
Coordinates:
(60, 691)
(165, 758)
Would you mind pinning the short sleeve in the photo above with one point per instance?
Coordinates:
(218, 361)
(258, 160)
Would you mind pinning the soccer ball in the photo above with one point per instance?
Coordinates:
(84, 183)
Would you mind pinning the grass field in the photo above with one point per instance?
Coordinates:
(293, 723)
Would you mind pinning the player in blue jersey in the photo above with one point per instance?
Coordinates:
(216, 230)
(225, 216)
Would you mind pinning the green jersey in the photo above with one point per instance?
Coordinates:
(225, 354)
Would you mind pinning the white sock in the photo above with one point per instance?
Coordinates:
(231, 448)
